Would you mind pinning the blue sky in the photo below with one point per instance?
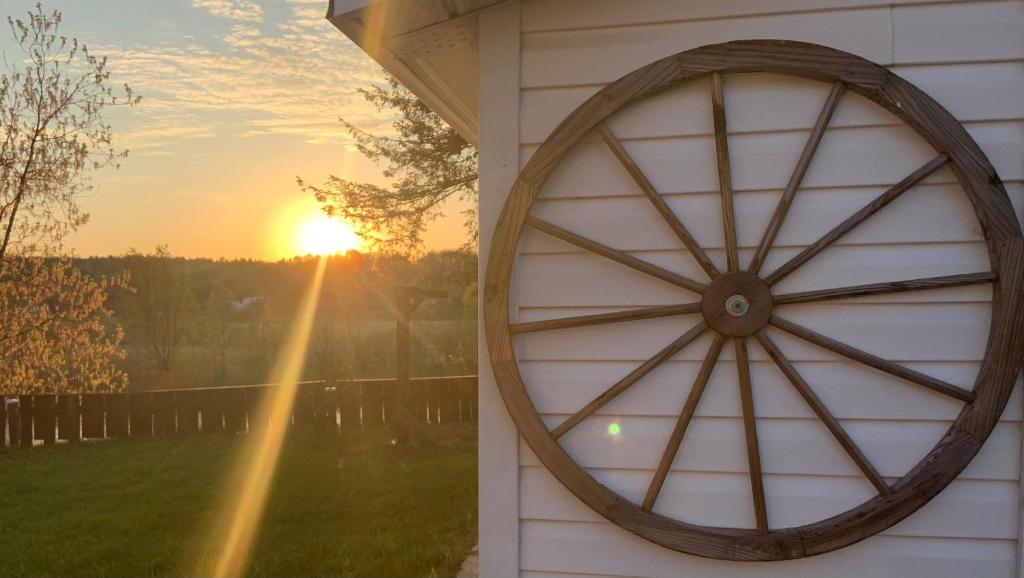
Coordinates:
(239, 98)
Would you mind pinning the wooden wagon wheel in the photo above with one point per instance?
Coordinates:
(737, 304)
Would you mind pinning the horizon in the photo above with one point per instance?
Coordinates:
(239, 97)
(297, 257)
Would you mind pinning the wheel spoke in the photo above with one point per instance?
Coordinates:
(823, 413)
(602, 318)
(616, 255)
(797, 177)
(872, 360)
(857, 218)
(669, 455)
(750, 429)
(724, 172)
(633, 377)
(888, 287)
(658, 201)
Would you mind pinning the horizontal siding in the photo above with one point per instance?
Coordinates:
(919, 332)
(968, 508)
(603, 548)
(930, 33)
(685, 111)
(856, 156)
(553, 279)
(532, 574)
(852, 390)
(566, 14)
(613, 220)
(970, 58)
(788, 446)
(957, 32)
(568, 58)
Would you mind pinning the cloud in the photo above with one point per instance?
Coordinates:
(295, 76)
(244, 10)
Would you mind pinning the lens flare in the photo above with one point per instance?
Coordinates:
(614, 429)
(250, 482)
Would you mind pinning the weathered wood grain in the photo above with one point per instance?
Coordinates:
(685, 416)
(823, 413)
(871, 360)
(802, 164)
(724, 172)
(887, 287)
(659, 203)
(750, 433)
(615, 255)
(856, 219)
(603, 318)
(633, 377)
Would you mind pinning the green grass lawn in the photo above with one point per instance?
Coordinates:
(146, 507)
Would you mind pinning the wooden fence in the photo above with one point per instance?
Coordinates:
(323, 406)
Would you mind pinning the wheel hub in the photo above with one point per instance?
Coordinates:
(737, 304)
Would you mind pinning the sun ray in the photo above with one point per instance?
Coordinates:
(249, 483)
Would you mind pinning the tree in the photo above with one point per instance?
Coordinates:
(162, 307)
(55, 329)
(428, 163)
(219, 329)
(53, 133)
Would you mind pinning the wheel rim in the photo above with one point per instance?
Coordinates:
(733, 290)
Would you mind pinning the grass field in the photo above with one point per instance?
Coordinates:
(146, 507)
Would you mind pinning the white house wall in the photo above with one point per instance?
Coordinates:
(967, 55)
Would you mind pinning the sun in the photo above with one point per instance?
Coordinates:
(322, 235)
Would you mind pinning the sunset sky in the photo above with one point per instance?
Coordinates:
(239, 98)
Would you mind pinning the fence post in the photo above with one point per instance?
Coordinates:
(14, 424)
(3, 421)
(467, 398)
(140, 412)
(372, 397)
(92, 415)
(349, 399)
(327, 406)
(188, 411)
(234, 409)
(44, 411)
(254, 397)
(474, 383)
(302, 408)
(433, 391)
(164, 418)
(69, 426)
(212, 410)
(449, 402)
(25, 404)
(418, 399)
(117, 414)
(390, 399)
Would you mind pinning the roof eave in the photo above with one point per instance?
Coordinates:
(430, 46)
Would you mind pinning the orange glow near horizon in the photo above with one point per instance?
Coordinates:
(249, 484)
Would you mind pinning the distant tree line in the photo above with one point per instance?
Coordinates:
(198, 322)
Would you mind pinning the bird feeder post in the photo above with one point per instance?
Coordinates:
(405, 301)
